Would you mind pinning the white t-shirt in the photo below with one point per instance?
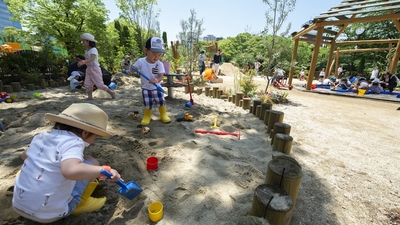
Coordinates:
(374, 74)
(40, 188)
(150, 70)
(73, 83)
(322, 74)
(90, 52)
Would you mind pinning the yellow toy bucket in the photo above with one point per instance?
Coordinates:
(156, 211)
(361, 92)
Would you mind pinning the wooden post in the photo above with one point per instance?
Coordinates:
(266, 116)
(30, 87)
(223, 97)
(337, 61)
(283, 128)
(214, 92)
(233, 99)
(264, 106)
(219, 93)
(42, 83)
(230, 99)
(8, 88)
(285, 172)
(314, 58)
(251, 109)
(239, 96)
(328, 68)
(395, 59)
(16, 86)
(282, 143)
(272, 203)
(294, 56)
(241, 103)
(1, 86)
(274, 116)
(255, 104)
(207, 91)
(199, 91)
(246, 103)
(258, 111)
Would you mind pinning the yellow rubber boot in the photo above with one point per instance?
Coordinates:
(163, 114)
(89, 204)
(146, 117)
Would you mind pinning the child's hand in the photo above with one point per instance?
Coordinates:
(153, 81)
(115, 176)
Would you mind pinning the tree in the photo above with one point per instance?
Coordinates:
(62, 20)
(143, 16)
(277, 13)
(189, 37)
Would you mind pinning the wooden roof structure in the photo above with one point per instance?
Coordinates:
(349, 12)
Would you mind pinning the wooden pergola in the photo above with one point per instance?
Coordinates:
(348, 12)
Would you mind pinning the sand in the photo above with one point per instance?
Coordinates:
(347, 147)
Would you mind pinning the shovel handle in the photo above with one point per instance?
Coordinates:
(109, 175)
(159, 88)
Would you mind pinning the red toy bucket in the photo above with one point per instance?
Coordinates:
(152, 163)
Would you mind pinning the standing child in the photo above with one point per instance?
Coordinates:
(93, 71)
(56, 180)
(153, 68)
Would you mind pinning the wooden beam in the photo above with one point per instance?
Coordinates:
(304, 31)
(342, 29)
(360, 20)
(314, 58)
(313, 36)
(337, 62)
(331, 32)
(329, 63)
(396, 22)
(367, 42)
(313, 41)
(294, 57)
(395, 59)
(364, 50)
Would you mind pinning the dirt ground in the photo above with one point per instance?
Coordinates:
(348, 149)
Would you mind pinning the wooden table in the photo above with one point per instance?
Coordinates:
(170, 83)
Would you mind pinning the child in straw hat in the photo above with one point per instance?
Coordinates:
(56, 180)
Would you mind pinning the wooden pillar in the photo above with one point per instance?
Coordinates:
(266, 116)
(264, 106)
(1, 86)
(16, 86)
(314, 58)
(283, 128)
(272, 203)
(214, 92)
(328, 69)
(282, 143)
(8, 88)
(219, 93)
(207, 91)
(223, 97)
(258, 111)
(337, 62)
(230, 99)
(239, 96)
(256, 102)
(42, 83)
(274, 116)
(246, 103)
(233, 99)
(199, 91)
(294, 56)
(395, 59)
(285, 172)
(30, 87)
(241, 103)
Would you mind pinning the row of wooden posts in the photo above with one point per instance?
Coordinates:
(16, 86)
(276, 198)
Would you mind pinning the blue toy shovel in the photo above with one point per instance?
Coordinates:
(159, 88)
(130, 190)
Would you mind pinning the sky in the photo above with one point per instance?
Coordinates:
(227, 18)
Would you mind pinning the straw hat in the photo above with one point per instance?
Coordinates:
(87, 36)
(85, 116)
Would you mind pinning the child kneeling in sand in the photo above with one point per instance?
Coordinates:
(56, 180)
(74, 83)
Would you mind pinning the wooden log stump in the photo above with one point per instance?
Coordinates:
(37, 87)
(16, 86)
(207, 91)
(241, 103)
(258, 111)
(251, 109)
(266, 116)
(219, 93)
(271, 203)
(191, 88)
(239, 96)
(278, 127)
(42, 83)
(274, 116)
(199, 91)
(255, 104)
(230, 99)
(246, 103)
(264, 106)
(234, 98)
(282, 143)
(8, 88)
(1, 86)
(224, 97)
(30, 87)
(214, 92)
(285, 172)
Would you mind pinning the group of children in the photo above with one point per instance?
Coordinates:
(56, 179)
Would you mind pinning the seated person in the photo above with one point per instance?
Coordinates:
(385, 81)
(375, 87)
(209, 73)
(344, 85)
(363, 84)
(74, 82)
(126, 65)
(74, 66)
(331, 81)
(279, 74)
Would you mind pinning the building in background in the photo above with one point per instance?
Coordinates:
(5, 17)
